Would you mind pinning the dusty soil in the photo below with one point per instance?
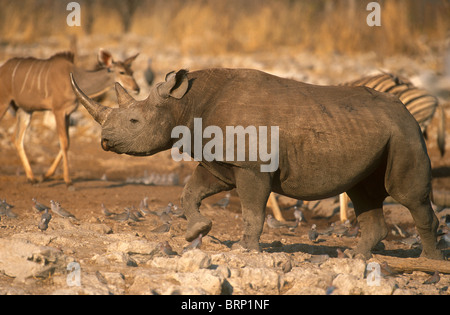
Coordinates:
(117, 181)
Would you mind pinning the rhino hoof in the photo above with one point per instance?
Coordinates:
(197, 226)
(350, 253)
(435, 254)
(250, 244)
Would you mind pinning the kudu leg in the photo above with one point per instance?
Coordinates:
(4, 105)
(23, 122)
(343, 202)
(62, 126)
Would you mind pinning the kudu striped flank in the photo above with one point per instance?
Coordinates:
(29, 84)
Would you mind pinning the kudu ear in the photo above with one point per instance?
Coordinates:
(130, 60)
(105, 58)
(176, 85)
(124, 99)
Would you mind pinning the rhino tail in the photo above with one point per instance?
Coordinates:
(441, 130)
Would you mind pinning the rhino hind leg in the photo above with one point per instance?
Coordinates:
(202, 184)
(408, 181)
(426, 224)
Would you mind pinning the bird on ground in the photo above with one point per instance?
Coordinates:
(224, 202)
(5, 204)
(286, 266)
(293, 227)
(134, 215)
(167, 249)
(433, 279)
(352, 232)
(120, 217)
(5, 209)
(313, 234)
(165, 218)
(163, 228)
(329, 290)
(165, 210)
(39, 207)
(340, 253)
(194, 244)
(298, 214)
(45, 220)
(386, 270)
(178, 212)
(137, 213)
(444, 242)
(143, 206)
(274, 223)
(412, 241)
(56, 208)
(106, 211)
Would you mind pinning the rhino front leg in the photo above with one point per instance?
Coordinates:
(202, 184)
(253, 189)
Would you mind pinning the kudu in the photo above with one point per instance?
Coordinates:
(29, 84)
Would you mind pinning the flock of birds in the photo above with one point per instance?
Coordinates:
(166, 214)
(129, 214)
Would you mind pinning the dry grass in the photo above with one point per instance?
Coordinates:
(216, 26)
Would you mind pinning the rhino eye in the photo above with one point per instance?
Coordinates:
(134, 121)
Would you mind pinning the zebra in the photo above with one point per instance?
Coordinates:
(420, 103)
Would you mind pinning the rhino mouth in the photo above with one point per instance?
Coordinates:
(106, 145)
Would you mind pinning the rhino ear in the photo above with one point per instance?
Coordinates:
(124, 99)
(176, 85)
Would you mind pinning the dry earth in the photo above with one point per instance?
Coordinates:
(124, 257)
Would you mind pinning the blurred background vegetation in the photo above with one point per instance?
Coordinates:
(410, 27)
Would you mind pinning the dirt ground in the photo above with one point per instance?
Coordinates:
(118, 181)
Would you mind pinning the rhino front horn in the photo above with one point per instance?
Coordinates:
(98, 111)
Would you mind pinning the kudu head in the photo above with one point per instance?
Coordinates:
(121, 70)
(139, 127)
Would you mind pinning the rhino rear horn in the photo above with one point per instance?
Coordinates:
(98, 111)
(176, 85)
(124, 99)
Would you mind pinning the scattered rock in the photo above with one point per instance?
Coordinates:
(22, 259)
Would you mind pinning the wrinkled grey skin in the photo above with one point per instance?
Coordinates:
(331, 140)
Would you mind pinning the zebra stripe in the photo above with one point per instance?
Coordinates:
(419, 102)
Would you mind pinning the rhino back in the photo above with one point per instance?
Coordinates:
(329, 135)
